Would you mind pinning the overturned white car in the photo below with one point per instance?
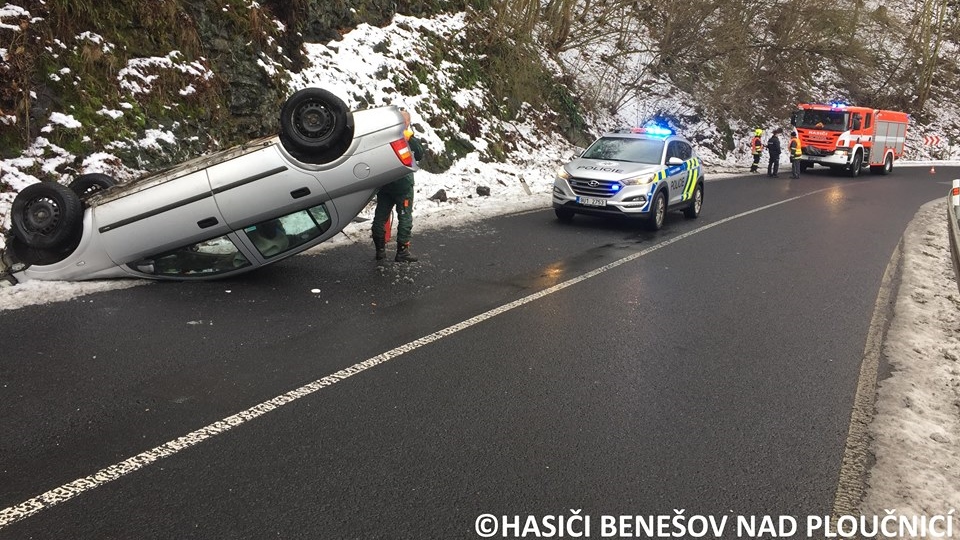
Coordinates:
(216, 215)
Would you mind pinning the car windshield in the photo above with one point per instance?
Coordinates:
(626, 149)
(827, 120)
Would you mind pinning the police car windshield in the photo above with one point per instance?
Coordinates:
(626, 149)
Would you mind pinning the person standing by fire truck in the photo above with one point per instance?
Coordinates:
(773, 147)
(756, 147)
(795, 152)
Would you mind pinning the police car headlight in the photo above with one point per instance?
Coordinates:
(562, 173)
(638, 180)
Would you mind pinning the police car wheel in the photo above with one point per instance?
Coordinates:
(658, 211)
(564, 215)
(693, 211)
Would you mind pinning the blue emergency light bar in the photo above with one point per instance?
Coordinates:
(653, 131)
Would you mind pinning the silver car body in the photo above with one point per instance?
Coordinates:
(232, 211)
(624, 184)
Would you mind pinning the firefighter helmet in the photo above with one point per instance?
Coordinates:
(758, 132)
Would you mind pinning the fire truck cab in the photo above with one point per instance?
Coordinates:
(848, 138)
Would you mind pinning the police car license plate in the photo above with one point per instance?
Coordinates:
(590, 201)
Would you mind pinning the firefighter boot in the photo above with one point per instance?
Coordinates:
(403, 253)
(381, 248)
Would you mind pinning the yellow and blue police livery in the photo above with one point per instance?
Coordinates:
(640, 172)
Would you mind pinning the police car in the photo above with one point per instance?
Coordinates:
(640, 172)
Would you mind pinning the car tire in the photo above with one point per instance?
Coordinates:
(315, 126)
(34, 256)
(46, 216)
(693, 211)
(658, 212)
(88, 184)
(565, 215)
(804, 166)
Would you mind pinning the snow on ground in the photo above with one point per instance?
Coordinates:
(916, 430)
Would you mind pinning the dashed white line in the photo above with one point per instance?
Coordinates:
(70, 490)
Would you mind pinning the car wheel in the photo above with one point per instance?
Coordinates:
(46, 215)
(804, 166)
(316, 126)
(31, 256)
(693, 211)
(658, 211)
(565, 215)
(855, 166)
(88, 184)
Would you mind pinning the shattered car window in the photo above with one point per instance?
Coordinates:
(284, 233)
(209, 257)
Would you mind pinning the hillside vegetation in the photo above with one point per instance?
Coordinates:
(152, 83)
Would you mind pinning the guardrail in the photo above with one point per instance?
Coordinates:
(953, 215)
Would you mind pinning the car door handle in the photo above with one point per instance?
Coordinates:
(298, 193)
(207, 223)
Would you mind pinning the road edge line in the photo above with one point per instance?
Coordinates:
(851, 482)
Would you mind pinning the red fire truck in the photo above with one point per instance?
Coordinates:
(849, 138)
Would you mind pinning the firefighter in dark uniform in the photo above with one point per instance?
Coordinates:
(756, 147)
(397, 194)
(795, 153)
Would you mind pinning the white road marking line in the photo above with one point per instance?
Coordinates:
(70, 490)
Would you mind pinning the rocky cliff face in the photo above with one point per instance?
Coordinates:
(193, 75)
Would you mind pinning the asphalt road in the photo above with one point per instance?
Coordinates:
(712, 371)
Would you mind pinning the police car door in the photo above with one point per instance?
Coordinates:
(677, 172)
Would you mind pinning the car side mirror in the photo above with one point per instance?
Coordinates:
(578, 151)
(674, 161)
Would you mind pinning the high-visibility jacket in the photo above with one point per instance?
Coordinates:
(795, 150)
(757, 145)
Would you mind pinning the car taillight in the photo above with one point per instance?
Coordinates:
(402, 149)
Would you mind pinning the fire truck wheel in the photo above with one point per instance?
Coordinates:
(884, 169)
(856, 164)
